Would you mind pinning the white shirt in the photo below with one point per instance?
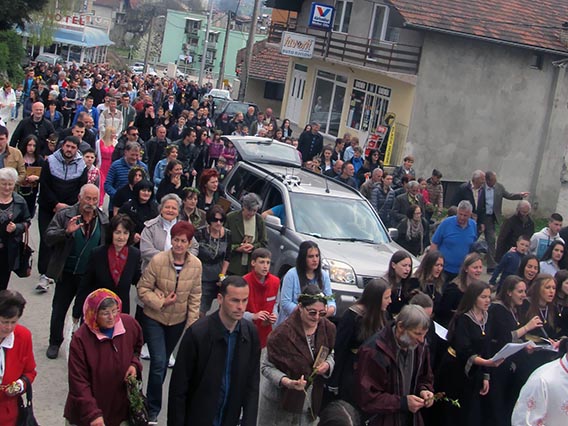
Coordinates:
(544, 398)
(7, 343)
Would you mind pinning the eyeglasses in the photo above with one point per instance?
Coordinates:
(109, 314)
(314, 313)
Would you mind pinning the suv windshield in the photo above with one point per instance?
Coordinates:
(336, 219)
(266, 151)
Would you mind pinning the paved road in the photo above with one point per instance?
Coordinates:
(50, 386)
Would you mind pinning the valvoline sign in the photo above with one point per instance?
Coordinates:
(321, 16)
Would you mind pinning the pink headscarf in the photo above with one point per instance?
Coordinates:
(91, 307)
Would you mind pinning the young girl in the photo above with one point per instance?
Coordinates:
(327, 162)
(308, 271)
(215, 149)
(430, 276)
(561, 301)
(398, 276)
(230, 154)
(30, 187)
(553, 259)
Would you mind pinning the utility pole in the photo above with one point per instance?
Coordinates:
(248, 54)
(205, 44)
(225, 45)
(147, 54)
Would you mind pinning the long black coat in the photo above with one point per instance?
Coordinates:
(200, 365)
(98, 276)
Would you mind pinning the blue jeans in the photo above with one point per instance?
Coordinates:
(161, 340)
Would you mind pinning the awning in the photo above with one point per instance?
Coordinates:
(86, 37)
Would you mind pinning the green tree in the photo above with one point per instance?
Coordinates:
(11, 54)
(17, 12)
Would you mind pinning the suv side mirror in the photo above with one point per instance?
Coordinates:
(274, 221)
(393, 233)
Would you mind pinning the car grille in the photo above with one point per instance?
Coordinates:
(363, 281)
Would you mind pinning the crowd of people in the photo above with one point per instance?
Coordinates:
(126, 172)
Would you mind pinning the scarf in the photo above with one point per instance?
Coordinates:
(117, 262)
(91, 308)
(415, 231)
(288, 350)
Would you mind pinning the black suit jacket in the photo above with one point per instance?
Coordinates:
(464, 192)
(176, 110)
(98, 276)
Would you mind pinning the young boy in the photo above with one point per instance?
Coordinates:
(542, 239)
(510, 262)
(263, 290)
(93, 173)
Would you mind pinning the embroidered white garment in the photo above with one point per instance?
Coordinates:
(7, 343)
(544, 398)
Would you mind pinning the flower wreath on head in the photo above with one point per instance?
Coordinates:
(316, 297)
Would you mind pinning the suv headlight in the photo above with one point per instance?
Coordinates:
(339, 272)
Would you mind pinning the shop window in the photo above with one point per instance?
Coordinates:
(273, 91)
(367, 106)
(327, 103)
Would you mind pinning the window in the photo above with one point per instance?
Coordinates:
(379, 22)
(327, 103)
(537, 61)
(273, 91)
(242, 182)
(368, 106)
(342, 15)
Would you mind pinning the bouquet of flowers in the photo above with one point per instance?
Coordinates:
(137, 401)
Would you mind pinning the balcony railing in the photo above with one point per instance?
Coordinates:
(365, 52)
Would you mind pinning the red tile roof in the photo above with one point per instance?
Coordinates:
(267, 62)
(533, 23)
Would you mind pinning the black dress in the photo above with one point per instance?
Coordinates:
(505, 381)
(449, 302)
(401, 295)
(167, 187)
(458, 379)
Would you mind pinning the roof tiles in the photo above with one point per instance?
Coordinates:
(267, 62)
(534, 23)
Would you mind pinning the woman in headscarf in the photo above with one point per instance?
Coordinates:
(299, 356)
(104, 352)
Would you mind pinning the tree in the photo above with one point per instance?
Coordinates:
(17, 12)
(11, 53)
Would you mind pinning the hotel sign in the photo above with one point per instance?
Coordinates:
(298, 45)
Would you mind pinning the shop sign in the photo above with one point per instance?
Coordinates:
(298, 45)
(321, 16)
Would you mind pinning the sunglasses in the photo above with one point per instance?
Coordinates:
(217, 219)
(314, 313)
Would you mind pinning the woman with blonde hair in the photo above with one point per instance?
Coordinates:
(105, 148)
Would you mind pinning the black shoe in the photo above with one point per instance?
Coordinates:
(52, 352)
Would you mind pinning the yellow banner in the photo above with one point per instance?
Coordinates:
(390, 144)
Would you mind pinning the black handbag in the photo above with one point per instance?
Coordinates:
(23, 266)
(25, 409)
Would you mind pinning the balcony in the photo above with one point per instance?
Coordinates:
(364, 52)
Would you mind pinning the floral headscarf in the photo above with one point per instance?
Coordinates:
(91, 307)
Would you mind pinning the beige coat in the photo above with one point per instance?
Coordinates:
(159, 279)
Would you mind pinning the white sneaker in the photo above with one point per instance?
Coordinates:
(44, 283)
(144, 354)
(171, 361)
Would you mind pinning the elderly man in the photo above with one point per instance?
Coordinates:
(335, 171)
(310, 144)
(515, 226)
(454, 237)
(72, 233)
(346, 176)
(403, 201)
(34, 125)
(470, 191)
(393, 379)
(376, 179)
(489, 211)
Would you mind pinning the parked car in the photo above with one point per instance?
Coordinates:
(219, 94)
(355, 245)
(50, 58)
(232, 107)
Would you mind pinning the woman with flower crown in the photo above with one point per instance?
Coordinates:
(298, 358)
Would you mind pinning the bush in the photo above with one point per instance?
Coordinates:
(11, 55)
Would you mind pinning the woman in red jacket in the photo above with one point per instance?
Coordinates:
(16, 355)
(104, 351)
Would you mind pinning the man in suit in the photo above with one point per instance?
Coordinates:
(128, 112)
(469, 191)
(171, 105)
(489, 211)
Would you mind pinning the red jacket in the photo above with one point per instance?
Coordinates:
(378, 381)
(19, 361)
(96, 373)
(262, 297)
